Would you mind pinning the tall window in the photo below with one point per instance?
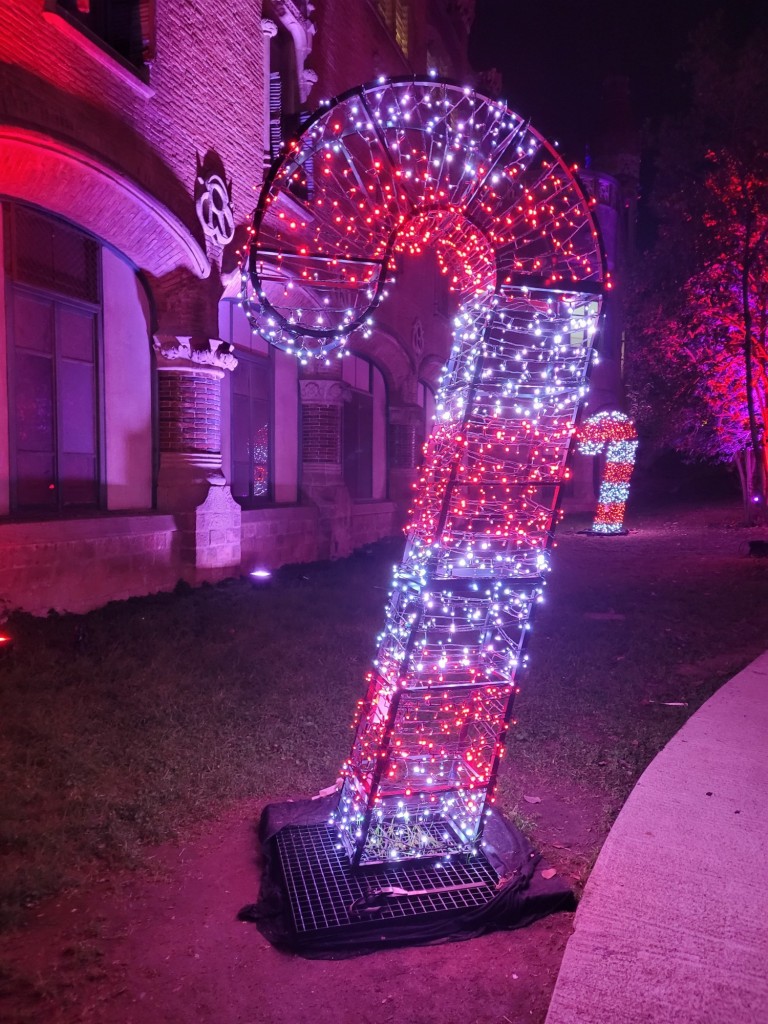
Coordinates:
(358, 444)
(251, 429)
(54, 317)
(286, 112)
(364, 430)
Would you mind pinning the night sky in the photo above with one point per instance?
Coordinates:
(555, 56)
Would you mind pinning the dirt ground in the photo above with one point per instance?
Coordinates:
(167, 948)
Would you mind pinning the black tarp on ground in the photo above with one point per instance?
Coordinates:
(522, 896)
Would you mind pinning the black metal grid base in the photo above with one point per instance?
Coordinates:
(322, 886)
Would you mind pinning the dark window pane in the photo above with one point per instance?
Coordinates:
(33, 246)
(77, 479)
(77, 408)
(75, 265)
(117, 22)
(122, 28)
(77, 334)
(33, 323)
(240, 427)
(358, 445)
(251, 435)
(35, 486)
(240, 472)
(54, 256)
(260, 381)
(33, 403)
(260, 449)
(240, 433)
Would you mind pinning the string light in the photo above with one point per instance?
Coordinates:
(615, 433)
(400, 167)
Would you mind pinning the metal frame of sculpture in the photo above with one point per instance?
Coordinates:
(403, 165)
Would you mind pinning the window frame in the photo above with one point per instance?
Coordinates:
(58, 300)
(244, 358)
(136, 75)
(370, 392)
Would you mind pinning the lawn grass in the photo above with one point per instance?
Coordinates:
(125, 727)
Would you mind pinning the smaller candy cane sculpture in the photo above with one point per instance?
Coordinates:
(617, 431)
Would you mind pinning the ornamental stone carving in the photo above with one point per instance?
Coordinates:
(201, 351)
(308, 80)
(417, 337)
(214, 209)
(323, 392)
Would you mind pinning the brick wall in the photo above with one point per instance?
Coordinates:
(352, 46)
(190, 412)
(321, 434)
(403, 449)
(62, 87)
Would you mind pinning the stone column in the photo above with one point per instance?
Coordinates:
(191, 482)
(322, 471)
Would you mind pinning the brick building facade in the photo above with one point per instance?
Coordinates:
(146, 434)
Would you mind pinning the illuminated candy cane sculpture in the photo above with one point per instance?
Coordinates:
(394, 167)
(614, 432)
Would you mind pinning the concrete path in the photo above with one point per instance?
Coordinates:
(673, 925)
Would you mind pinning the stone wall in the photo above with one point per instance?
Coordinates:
(78, 564)
(373, 520)
(272, 537)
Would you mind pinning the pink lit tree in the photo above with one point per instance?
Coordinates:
(699, 364)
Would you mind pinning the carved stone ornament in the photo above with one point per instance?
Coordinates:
(417, 337)
(309, 79)
(269, 28)
(204, 352)
(323, 392)
(214, 210)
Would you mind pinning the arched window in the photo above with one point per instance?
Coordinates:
(54, 363)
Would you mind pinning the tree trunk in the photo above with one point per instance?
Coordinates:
(758, 452)
(745, 464)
